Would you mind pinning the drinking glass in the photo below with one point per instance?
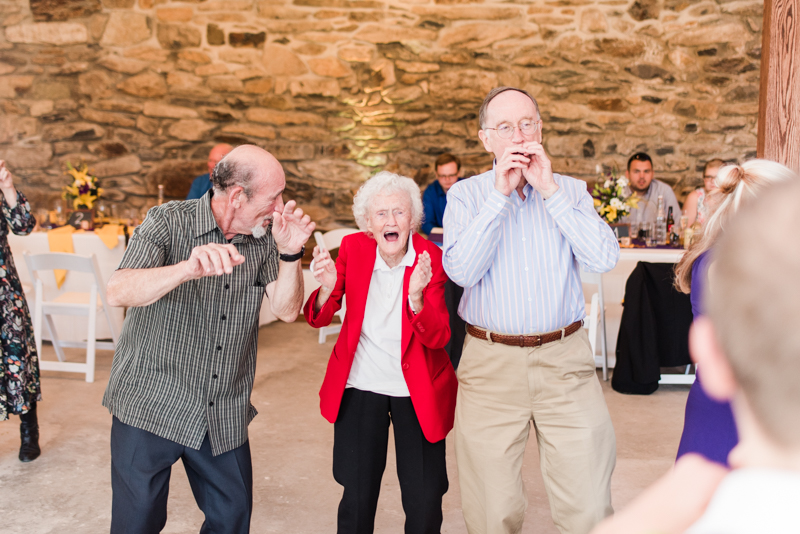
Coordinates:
(648, 229)
(61, 212)
(634, 230)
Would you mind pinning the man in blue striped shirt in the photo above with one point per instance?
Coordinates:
(515, 238)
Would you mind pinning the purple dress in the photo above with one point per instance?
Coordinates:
(709, 428)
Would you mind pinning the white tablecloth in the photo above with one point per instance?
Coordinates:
(614, 286)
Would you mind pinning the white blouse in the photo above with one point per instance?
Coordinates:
(376, 366)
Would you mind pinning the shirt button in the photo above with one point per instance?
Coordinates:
(211, 403)
(223, 317)
(227, 286)
(530, 299)
(214, 377)
(219, 347)
(405, 366)
(526, 268)
(523, 239)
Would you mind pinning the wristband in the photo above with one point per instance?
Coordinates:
(293, 257)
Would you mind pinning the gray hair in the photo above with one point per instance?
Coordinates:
(385, 183)
(233, 172)
(496, 91)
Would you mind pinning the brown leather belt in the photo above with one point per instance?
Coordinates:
(525, 341)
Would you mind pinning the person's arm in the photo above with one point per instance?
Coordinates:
(673, 503)
(690, 207)
(135, 287)
(326, 300)
(591, 239)
(291, 230)
(428, 316)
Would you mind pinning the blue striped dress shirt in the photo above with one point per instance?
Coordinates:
(518, 260)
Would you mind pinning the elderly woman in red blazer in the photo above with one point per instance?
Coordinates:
(389, 364)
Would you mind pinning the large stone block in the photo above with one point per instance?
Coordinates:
(190, 129)
(329, 66)
(251, 130)
(417, 66)
(258, 86)
(374, 33)
(36, 156)
(124, 65)
(119, 166)
(174, 14)
(468, 12)
(304, 133)
(332, 174)
(53, 33)
(107, 117)
(283, 118)
(126, 28)
(15, 86)
(225, 84)
(314, 88)
(72, 131)
(594, 20)
(145, 85)
(625, 48)
(54, 10)
(176, 36)
(479, 35)
(280, 61)
(462, 85)
(713, 34)
(357, 53)
(158, 109)
(186, 83)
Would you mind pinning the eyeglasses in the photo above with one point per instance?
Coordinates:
(447, 176)
(526, 127)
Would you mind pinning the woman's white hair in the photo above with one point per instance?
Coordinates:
(386, 183)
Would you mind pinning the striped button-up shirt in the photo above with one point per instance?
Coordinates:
(184, 365)
(518, 260)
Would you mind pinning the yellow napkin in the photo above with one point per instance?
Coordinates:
(60, 240)
(109, 234)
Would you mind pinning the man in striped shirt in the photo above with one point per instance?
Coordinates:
(515, 238)
(193, 277)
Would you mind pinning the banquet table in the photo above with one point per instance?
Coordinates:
(614, 289)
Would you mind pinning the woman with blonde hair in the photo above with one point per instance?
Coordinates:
(708, 427)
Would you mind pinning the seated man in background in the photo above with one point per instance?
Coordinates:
(648, 189)
(202, 183)
(447, 167)
(750, 355)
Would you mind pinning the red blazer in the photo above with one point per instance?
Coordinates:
(426, 366)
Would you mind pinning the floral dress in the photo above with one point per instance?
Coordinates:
(19, 364)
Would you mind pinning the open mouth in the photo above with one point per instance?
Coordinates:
(391, 237)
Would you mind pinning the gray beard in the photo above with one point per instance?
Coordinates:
(259, 231)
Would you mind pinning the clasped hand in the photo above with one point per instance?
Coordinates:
(6, 180)
(528, 161)
(420, 278)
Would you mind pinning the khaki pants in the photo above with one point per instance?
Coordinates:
(503, 389)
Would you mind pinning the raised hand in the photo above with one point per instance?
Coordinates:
(419, 280)
(539, 171)
(212, 260)
(324, 269)
(291, 229)
(508, 169)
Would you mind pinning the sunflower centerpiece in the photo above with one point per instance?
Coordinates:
(612, 195)
(84, 190)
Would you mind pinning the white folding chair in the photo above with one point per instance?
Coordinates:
(331, 240)
(69, 303)
(596, 318)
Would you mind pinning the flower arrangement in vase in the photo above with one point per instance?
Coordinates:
(612, 195)
(84, 190)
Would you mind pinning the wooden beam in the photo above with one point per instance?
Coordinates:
(779, 97)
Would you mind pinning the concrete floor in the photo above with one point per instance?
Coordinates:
(67, 490)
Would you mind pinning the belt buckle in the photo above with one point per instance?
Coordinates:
(538, 341)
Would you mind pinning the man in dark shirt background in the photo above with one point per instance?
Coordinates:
(434, 201)
(202, 183)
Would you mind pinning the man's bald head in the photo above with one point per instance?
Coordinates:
(217, 153)
(249, 167)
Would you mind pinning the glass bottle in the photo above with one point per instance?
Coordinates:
(160, 194)
(661, 222)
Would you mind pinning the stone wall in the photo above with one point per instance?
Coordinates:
(337, 89)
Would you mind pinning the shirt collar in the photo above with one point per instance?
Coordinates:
(407, 261)
(205, 221)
